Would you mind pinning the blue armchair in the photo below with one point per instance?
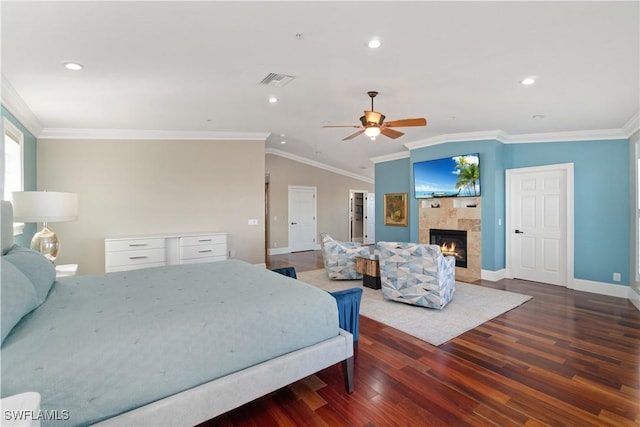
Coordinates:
(340, 257)
(417, 274)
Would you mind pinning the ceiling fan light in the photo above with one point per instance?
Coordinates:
(528, 81)
(372, 131)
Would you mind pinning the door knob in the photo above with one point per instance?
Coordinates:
(293, 223)
(519, 232)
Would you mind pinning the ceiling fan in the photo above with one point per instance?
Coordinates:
(373, 124)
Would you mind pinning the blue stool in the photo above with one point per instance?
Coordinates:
(348, 302)
(286, 271)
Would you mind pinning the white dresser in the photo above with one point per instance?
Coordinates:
(132, 252)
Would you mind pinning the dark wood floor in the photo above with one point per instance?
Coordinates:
(565, 358)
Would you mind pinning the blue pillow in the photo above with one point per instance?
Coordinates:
(39, 270)
(18, 297)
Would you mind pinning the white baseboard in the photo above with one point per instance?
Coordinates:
(493, 276)
(601, 288)
(278, 251)
(634, 297)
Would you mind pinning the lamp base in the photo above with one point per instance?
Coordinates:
(46, 242)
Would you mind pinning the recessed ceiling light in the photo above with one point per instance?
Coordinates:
(528, 80)
(374, 43)
(74, 66)
(283, 142)
(273, 99)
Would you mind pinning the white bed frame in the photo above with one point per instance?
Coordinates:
(201, 403)
(206, 401)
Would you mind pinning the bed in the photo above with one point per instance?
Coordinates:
(174, 345)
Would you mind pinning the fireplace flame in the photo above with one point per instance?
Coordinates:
(449, 248)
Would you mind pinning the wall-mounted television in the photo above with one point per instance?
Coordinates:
(456, 176)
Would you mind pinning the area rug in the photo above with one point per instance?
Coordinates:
(472, 305)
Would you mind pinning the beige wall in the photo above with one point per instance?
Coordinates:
(155, 186)
(332, 197)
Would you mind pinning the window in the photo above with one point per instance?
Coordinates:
(13, 177)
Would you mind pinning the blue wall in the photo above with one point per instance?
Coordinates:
(395, 179)
(601, 198)
(30, 182)
(601, 201)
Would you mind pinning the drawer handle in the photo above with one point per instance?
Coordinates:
(133, 245)
(204, 240)
(205, 251)
(138, 257)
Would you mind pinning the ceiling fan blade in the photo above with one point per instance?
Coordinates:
(406, 122)
(353, 135)
(340, 126)
(391, 133)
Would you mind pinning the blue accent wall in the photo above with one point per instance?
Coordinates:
(601, 201)
(392, 177)
(30, 182)
(601, 198)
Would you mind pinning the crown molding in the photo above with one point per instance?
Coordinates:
(14, 103)
(505, 138)
(390, 157)
(458, 137)
(319, 165)
(570, 136)
(72, 133)
(632, 125)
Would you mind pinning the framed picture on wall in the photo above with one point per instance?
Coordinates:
(395, 209)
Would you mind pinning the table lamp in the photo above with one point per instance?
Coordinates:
(45, 207)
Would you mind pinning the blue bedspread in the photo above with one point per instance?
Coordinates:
(102, 345)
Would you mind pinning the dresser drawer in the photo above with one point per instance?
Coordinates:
(203, 251)
(133, 244)
(203, 240)
(135, 257)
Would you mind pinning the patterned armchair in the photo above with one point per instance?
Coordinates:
(340, 257)
(416, 274)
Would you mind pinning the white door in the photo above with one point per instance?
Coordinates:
(539, 220)
(370, 218)
(302, 218)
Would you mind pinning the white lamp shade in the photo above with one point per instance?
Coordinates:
(372, 131)
(44, 206)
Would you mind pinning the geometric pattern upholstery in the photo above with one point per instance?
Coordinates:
(340, 257)
(417, 274)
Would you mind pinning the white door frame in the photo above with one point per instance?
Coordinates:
(568, 168)
(350, 213)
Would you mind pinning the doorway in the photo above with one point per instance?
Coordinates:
(361, 216)
(539, 224)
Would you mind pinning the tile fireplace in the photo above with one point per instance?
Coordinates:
(457, 215)
(452, 243)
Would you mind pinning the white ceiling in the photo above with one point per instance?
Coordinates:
(195, 66)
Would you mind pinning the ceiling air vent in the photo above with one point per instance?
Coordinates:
(277, 80)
